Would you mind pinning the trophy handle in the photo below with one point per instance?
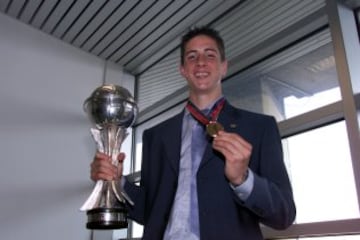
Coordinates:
(94, 198)
(120, 195)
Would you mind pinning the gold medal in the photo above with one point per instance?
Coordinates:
(212, 128)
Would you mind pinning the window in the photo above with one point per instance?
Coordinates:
(302, 84)
(319, 165)
(300, 87)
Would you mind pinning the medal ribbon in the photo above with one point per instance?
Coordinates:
(202, 118)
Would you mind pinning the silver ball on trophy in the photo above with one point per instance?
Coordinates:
(112, 110)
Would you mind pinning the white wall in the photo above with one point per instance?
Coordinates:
(45, 144)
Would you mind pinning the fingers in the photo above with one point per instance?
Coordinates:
(237, 154)
(232, 146)
(103, 169)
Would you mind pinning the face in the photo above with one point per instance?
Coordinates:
(203, 68)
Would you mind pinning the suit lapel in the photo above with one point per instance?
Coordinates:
(230, 118)
(173, 136)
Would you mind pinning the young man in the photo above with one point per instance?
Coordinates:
(218, 184)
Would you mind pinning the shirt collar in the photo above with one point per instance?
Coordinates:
(209, 107)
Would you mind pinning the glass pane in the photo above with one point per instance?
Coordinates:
(320, 168)
(295, 81)
(295, 106)
(137, 230)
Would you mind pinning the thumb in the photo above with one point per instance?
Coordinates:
(121, 157)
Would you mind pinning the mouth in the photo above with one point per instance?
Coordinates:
(201, 74)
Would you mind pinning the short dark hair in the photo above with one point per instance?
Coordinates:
(207, 31)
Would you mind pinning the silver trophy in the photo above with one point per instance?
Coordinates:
(112, 110)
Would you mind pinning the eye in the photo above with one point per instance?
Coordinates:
(211, 55)
(191, 56)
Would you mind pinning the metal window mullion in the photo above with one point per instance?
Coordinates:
(347, 56)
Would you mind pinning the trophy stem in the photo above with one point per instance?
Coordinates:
(108, 203)
(107, 210)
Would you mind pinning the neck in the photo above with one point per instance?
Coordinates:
(202, 101)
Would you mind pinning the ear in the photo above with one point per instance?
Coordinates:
(182, 71)
(224, 68)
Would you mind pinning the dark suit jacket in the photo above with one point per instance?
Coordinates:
(222, 214)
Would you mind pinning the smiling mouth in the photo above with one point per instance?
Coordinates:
(201, 74)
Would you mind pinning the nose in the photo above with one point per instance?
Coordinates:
(201, 60)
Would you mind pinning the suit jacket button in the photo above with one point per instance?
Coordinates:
(203, 213)
(259, 211)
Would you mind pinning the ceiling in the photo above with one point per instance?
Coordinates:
(127, 32)
(143, 35)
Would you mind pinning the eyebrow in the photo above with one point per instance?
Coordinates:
(206, 50)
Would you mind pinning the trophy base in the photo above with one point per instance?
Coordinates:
(107, 218)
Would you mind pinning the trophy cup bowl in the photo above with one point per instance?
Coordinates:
(112, 110)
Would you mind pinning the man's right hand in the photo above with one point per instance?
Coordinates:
(103, 169)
